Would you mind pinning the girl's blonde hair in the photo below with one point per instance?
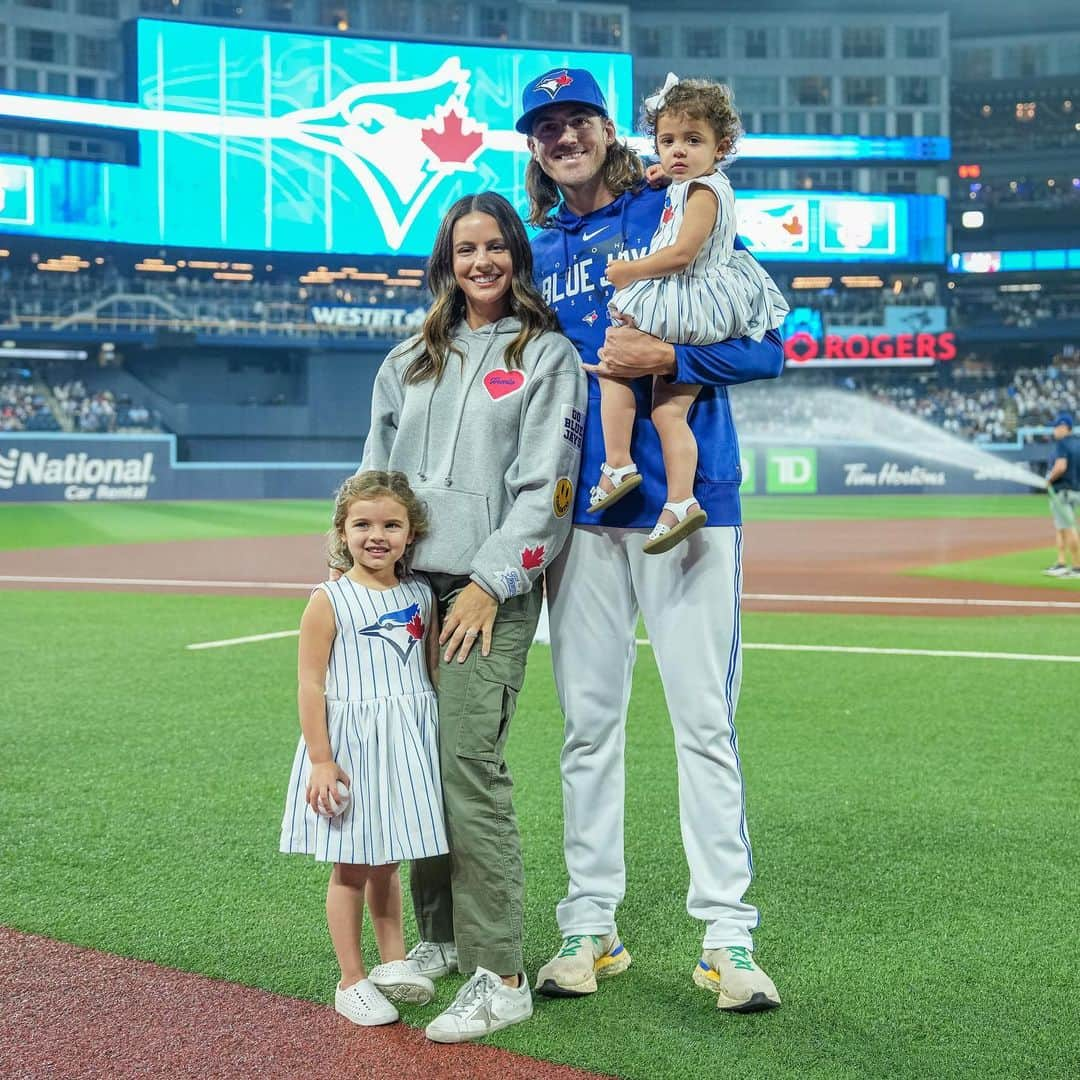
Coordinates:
(375, 484)
(448, 309)
(700, 99)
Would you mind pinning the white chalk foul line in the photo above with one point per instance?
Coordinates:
(962, 654)
(959, 654)
(808, 598)
(940, 601)
(242, 640)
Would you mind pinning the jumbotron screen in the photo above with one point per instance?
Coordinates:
(841, 227)
(266, 140)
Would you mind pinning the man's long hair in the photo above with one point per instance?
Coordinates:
(448, 308)
(622, 171)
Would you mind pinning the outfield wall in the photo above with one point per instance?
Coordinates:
(841, 468)
(125, 468)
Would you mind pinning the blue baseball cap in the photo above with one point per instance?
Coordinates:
(559, 87)
(1065, 418)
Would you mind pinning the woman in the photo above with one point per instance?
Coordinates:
(482, 412)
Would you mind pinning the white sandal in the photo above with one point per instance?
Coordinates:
(624, 480)
(665, 537)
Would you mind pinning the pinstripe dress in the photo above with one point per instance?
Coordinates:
(723, 293)
(384, 732)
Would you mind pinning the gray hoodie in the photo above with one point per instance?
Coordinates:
(493, 452)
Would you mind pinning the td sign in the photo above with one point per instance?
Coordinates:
(791, 471)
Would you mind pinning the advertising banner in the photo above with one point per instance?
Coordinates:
(371, 319)
(910, 338)
(861, 469)
(137, 468)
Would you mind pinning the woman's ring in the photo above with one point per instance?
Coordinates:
(471, 633)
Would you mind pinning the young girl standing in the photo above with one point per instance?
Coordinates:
(693, 288)
(364, 792)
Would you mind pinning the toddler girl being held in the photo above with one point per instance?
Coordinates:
(693, 288)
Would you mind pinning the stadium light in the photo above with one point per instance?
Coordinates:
(972, 219)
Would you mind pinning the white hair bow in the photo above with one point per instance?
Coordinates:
(655, 103)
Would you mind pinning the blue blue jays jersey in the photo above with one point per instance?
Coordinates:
(570, 257)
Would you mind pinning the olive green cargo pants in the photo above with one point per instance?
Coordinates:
(474, 895)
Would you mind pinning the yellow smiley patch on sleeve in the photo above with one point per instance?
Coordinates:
(563, 497)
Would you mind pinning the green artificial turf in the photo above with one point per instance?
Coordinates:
(1015, 568)
(36, 525)
(913, 821)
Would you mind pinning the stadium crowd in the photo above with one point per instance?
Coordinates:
(992, 307)
(30, 401)
(974, 402)
(24, 407)
(103, 298)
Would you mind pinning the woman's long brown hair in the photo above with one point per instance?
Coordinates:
(448, 308)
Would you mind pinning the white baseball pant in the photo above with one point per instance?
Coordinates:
(690, 600)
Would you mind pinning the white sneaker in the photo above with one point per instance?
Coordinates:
(432, 959)
(738, 983)
(400, 981)
(482, 1005)
(1057, 570)
(363, 1004)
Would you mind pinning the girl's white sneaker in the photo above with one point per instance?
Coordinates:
(362, 1003)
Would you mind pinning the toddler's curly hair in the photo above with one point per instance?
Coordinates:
(700, 99)
(374, 484)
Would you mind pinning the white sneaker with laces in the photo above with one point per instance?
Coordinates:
(400, 981)
(483, 1005)
(363, 1004)
(432, 959)
(738, 983)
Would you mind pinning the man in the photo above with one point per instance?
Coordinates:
(690, 599)
(1063, 487)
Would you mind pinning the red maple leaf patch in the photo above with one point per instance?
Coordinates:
(668, 214)
(532, 558)
(449, 141)
(415, 626)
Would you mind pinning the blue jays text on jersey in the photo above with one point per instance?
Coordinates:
(569, 260)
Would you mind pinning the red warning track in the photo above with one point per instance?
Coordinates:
(76, 1013)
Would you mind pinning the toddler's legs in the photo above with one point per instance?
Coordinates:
(345, 918)
(617, 410)
(384, 904)
(671, 405)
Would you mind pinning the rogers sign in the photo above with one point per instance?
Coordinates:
(834, 350)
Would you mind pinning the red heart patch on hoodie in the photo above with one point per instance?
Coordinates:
(500, 382)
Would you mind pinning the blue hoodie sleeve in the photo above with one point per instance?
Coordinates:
(727, 363)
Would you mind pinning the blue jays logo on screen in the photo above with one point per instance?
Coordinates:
(400, 630)
(267, 140)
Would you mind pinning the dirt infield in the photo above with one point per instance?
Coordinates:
(786, 564)
(82, 1013)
